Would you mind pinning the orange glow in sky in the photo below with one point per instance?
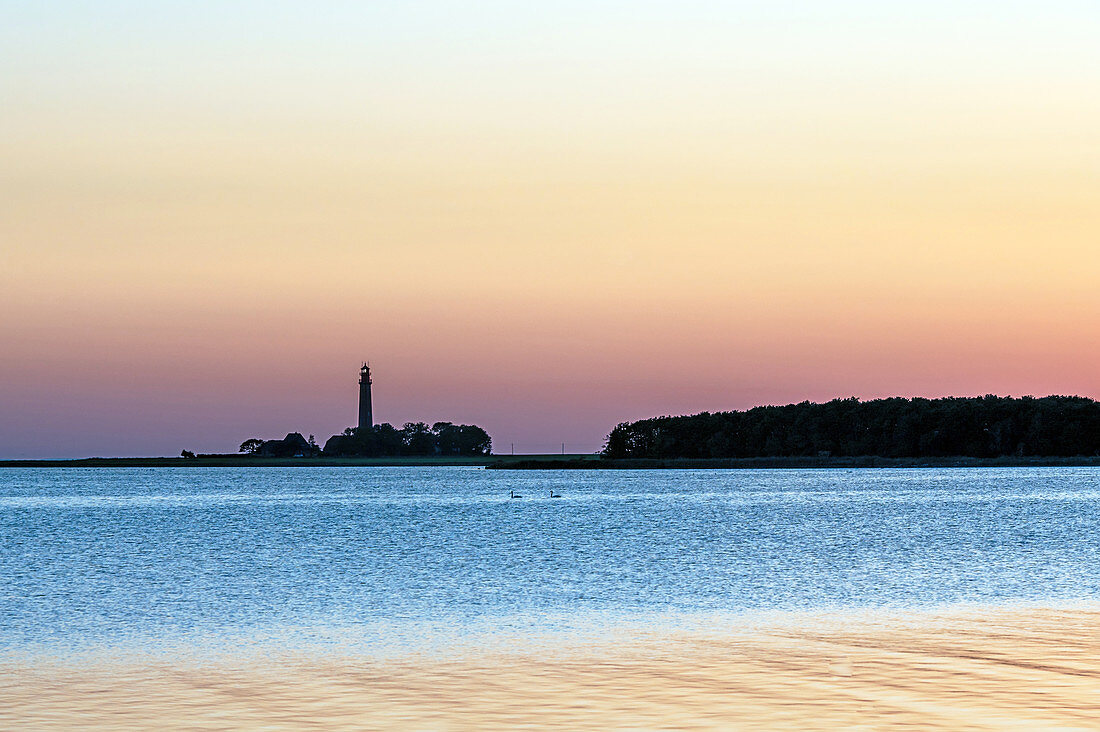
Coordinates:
(543, 222)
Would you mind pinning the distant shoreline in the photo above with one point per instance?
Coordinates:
(255, 461)
(867, 461)
(559, 462)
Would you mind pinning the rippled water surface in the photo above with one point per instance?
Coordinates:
(389, 556)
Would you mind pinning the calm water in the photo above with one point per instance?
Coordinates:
(386, 557)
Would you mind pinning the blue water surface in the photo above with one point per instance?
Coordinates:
(106, 557)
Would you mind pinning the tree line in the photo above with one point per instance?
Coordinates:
(989, 426)
(415, 438)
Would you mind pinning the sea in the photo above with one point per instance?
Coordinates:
(389, 561)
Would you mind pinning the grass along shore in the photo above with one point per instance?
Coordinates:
(576, 461)
(254, 461)
(595, 462)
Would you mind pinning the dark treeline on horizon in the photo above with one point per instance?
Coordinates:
(989, 426)
(415, 438)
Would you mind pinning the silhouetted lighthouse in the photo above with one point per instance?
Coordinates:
(366, 414)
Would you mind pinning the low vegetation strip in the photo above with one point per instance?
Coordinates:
(794, 463)
(259, 461)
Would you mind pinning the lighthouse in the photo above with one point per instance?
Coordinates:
(366, 414)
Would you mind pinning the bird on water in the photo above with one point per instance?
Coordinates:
(553, 494)
(512, 494)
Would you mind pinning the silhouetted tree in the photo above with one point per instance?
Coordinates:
(251, 445)
(461, 439)
(418, 439)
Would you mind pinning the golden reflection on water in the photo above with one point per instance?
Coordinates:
(971, 669)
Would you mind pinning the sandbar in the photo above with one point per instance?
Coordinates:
(959, 669)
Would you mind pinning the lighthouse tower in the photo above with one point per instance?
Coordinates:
(366, 414)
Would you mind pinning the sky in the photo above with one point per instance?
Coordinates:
(541, 218)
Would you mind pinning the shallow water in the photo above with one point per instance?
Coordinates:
(390, 560)
(960, 670)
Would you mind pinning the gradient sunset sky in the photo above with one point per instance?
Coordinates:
(542, 218)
